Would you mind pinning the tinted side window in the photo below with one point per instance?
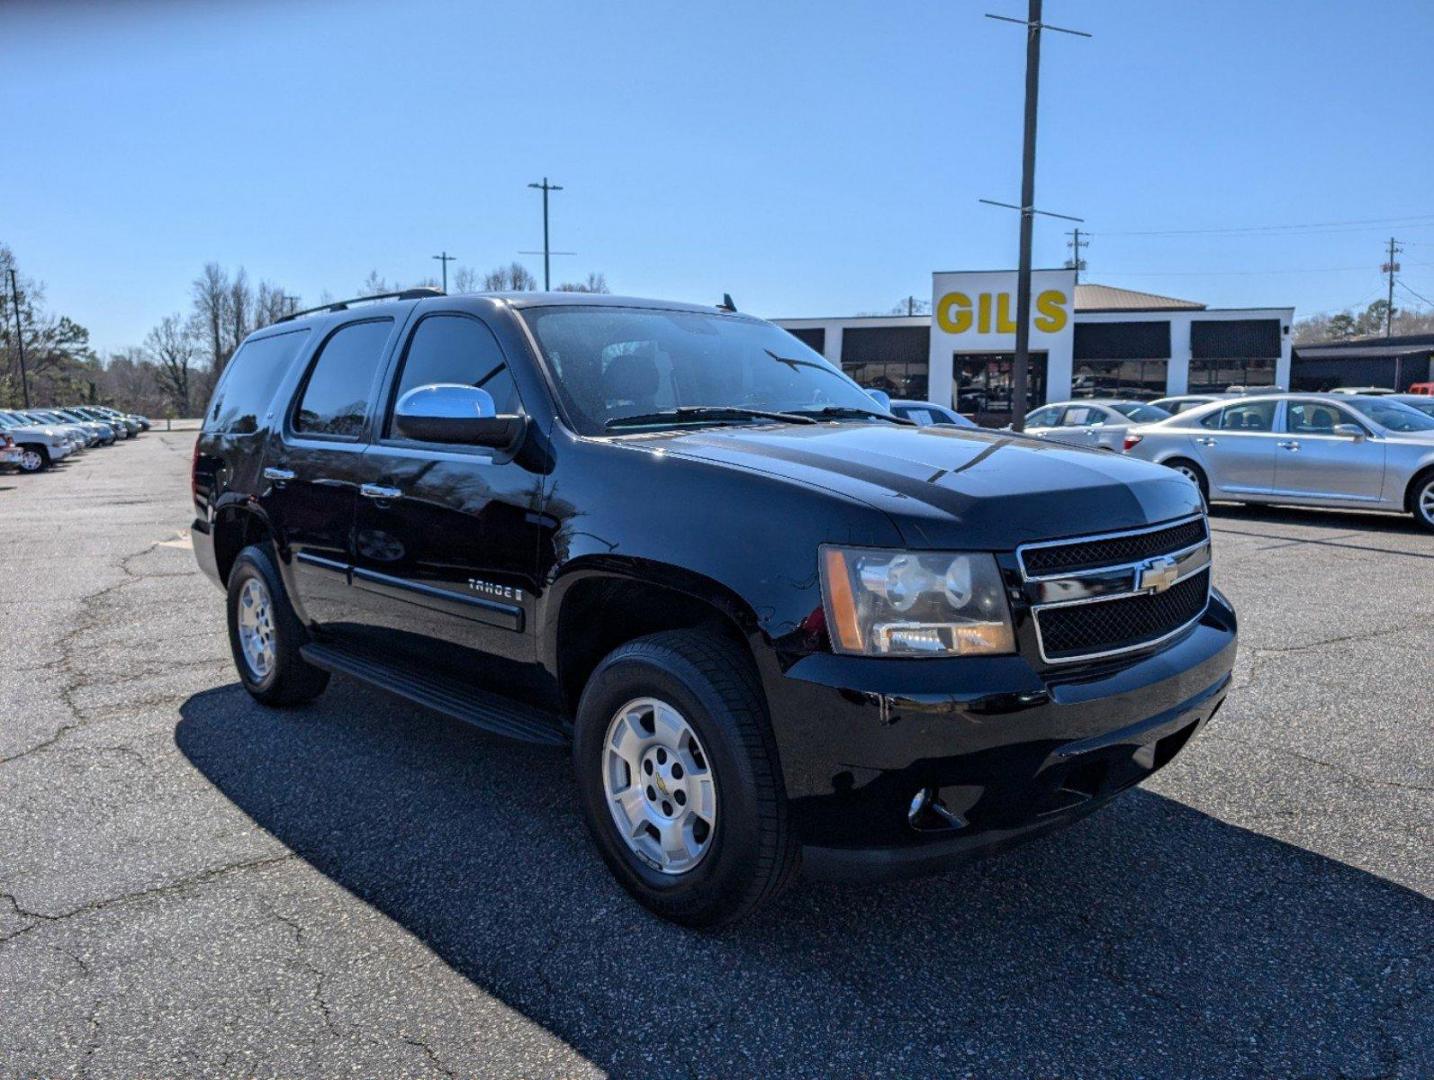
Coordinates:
(249, 382)
(1044, 417)
(1314, 418)
(457, 349)
(335, 400)
(1250, 416)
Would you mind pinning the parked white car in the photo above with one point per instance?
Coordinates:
(1099, 424)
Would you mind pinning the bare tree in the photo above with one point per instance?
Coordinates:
(237, 307)
(211, 294)
(593, 283)
(465, 279)
(170, 345)
(271, 304)
(511, 278)
(373, 285)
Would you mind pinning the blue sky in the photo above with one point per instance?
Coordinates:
(809, 158)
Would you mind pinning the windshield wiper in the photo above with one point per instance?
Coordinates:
(699, 413)
(840, 412)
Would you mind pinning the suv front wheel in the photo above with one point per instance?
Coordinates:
(265, 634)
(679, 781)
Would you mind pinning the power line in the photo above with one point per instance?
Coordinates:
(1411, 292)
(1418, 221)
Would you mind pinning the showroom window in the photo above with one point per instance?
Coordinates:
(983, 385)
(890, 358)
(1142, 380)
(1233, 352)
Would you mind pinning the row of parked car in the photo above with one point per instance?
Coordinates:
(1355, 449)
(31, 440)
(1352, 447)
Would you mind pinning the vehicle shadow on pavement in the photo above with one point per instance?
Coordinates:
(1334, 520)
(1150, 938)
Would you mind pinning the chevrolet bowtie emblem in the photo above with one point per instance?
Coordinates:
(1156, 575)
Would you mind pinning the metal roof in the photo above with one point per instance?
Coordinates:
(1109, 298)
(1367, 348)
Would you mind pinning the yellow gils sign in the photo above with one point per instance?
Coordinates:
(992, 313)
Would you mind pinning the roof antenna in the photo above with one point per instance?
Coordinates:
(726, 304)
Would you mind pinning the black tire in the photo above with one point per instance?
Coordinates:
(711, 682)
(1185, 465)
(32, 451)
(1421, 499)
(289, 680)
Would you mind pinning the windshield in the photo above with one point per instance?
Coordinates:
(1140, 413)
(1391, 414)
(614, 362)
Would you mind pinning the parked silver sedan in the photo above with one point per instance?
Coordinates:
(1305, 449)
(1100, 424)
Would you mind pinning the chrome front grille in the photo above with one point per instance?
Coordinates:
(1098, 596)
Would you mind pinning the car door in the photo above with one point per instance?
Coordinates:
(1236, 447)
(446, 536)
(1044, 422)
(1080, 426)
(1313, 462)
(313, 467)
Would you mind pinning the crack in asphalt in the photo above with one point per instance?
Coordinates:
(1351, 774)
(93, 611)
(41, 918)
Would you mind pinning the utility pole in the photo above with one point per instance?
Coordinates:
(19, 339)
(292, 301)
(1391, 268)
(546, 187)
(445, 259)
(1075, 243)
(1021, 364)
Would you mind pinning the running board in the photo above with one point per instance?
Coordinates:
(491, 712)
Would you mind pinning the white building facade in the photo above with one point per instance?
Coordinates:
(1086, 341)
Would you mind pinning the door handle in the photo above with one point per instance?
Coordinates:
(375, 491)
(1205, 440)
(1290, 445)
(278, 475)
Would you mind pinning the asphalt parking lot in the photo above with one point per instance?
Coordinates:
(191, 884)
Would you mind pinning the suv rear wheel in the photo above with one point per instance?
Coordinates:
(679, 780)
(265, 634)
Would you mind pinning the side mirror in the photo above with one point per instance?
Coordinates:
(1350, 431)
(453, 413)
(881, 397)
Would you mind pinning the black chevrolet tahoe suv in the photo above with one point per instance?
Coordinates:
(780, 628)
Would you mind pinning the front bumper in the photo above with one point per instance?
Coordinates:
(1011, 752)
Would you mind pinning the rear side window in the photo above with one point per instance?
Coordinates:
(249, 382)
(1249, 416)
(457, 349)
(335, 398)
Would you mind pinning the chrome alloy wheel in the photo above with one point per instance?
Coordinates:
(1189, 474)
(1424, 502)
(256, 627)
(659, 786)
(30, 460)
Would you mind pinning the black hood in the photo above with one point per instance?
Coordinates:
(950, 487)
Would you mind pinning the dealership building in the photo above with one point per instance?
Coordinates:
(1086, 341)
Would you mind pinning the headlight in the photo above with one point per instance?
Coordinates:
(915, 603)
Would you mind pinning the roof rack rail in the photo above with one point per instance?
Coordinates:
(417, 293)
